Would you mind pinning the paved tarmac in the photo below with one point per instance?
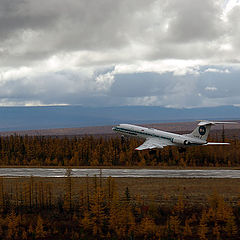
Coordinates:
(154, 173)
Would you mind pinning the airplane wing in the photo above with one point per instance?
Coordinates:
(151, 143)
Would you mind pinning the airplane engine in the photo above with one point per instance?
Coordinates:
(181, 141)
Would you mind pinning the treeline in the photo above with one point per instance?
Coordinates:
(29, 211)
(112, 151)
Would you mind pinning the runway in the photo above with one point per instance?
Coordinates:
(134, 173)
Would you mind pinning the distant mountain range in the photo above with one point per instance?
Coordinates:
(26, 118)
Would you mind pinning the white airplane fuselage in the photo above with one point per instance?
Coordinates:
(146, 133)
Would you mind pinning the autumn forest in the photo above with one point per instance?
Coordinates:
(109, 151)
(98, 208)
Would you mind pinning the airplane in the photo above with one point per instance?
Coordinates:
(155, 138)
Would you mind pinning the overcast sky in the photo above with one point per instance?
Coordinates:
(174, 53)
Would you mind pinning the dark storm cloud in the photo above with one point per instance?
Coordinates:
(198, 20)
(50, 26)
(140, 84)
(19, 15)
(41, 28)
(234, 28)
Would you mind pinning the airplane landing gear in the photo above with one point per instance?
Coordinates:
(182, 150)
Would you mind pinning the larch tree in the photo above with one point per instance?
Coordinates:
(203, 228)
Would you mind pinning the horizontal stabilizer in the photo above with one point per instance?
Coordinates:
(205, 122)
(214, 143)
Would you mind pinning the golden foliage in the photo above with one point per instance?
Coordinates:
(108, 215)
(95, 151)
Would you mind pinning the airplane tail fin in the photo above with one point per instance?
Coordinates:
(203, 129)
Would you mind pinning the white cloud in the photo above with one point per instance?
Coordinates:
(104, 81)
(217, 70)
(210, 88)
(177, 66)
(229, 5)
(74, 53)
(146, 101)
